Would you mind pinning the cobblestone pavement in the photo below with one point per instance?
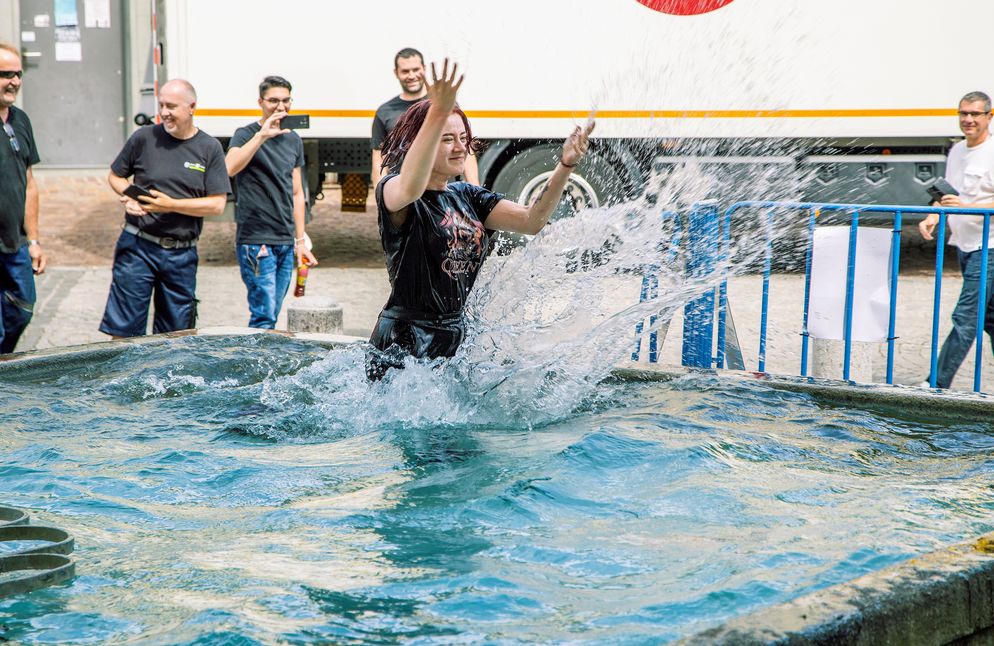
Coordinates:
(81, 220)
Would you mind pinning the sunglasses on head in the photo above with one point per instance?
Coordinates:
(9, 74)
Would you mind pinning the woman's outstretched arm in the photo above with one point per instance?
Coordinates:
(519, 218)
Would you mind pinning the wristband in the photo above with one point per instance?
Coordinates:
(567, 165)
(31, 243)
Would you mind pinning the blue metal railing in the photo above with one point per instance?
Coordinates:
(814, 210)
(854, 211)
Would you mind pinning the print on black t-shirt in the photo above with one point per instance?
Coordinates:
(466, 248)
(434, 258)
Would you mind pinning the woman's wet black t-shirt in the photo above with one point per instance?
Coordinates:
(433, 259)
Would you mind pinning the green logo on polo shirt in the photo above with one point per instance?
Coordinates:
(195, 166)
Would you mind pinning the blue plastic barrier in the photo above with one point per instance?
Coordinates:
(650, 291)
(703, 237)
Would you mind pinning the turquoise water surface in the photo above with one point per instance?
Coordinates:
(257, 490)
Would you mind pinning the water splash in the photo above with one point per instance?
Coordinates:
(545, 324)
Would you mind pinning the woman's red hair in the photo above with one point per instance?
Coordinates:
(399, 140)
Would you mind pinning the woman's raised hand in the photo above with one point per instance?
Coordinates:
(577, 143)
(442, 91)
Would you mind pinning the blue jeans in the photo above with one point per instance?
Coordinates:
(17, 296)
(266, 271)
(964, 331)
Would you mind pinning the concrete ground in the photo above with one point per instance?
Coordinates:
(81, 220)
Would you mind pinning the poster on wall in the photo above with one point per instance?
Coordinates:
(67, 44)
(96, 14)
(65, 13)
(67, 41)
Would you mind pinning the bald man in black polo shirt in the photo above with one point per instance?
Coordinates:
(183, 169)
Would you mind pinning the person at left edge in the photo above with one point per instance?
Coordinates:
(156, 255)
(265, 161)
(20, 253)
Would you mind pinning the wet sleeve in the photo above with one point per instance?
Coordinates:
(124, 164)
(483, 200)
(217, 182)
(383, 215)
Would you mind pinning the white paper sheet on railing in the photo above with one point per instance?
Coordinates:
(871, 296)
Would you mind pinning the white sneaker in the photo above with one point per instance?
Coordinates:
(924, 384)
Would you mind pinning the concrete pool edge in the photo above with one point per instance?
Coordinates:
(922, 401)
(943, 597)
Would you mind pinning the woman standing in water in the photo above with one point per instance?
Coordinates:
(433, 232)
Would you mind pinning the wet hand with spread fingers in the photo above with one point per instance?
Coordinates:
(442, 91)
(577, 143)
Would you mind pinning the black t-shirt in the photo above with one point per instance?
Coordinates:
(14, 179)
(433, 259)
(264, 210)
(386, 118)
(180, 168)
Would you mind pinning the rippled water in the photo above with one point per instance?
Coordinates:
(257, 490)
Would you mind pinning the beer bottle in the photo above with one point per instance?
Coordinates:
(302, 270)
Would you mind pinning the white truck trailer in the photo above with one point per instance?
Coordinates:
(858, 92)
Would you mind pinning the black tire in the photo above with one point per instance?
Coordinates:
(604, 176)
(596, 181)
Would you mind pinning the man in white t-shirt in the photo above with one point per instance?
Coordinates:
(970, 169)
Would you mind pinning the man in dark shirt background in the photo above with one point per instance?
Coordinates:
(266, 162)
(409, 68)
(21, 256)
(183, 170)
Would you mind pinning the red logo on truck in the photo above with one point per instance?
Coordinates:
(685, 7)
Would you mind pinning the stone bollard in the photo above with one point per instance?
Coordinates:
(320, 314)
(827, 358)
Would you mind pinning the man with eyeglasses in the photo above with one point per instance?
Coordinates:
(970, 170)
(409, 68)
(182, 170)
(266, 162)
(21, 256)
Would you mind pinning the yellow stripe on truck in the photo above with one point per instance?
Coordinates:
(623, 114)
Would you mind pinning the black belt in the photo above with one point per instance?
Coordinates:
(165, 242)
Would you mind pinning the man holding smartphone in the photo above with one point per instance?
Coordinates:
(266, 161)
(181, 170)
(970, 171)
(21, 256)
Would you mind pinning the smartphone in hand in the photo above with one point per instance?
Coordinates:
(134, 192)
(939, 188)
(296, 121)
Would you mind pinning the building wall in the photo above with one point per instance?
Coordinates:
(9, 17)
(137, 39)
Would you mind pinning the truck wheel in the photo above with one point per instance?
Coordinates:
(595, 181)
